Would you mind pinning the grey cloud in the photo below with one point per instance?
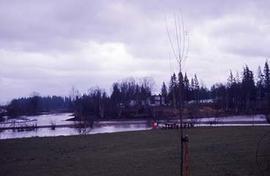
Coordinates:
(49, 23)
(245, 36)
(44, 44)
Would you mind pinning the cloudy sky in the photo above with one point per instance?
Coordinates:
(49, 46)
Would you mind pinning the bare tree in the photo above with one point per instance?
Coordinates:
(179, 43)
(74, 93)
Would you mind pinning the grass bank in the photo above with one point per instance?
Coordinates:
(214, 151)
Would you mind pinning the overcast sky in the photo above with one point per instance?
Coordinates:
(49, 46)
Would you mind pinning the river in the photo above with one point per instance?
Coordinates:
(63, 127)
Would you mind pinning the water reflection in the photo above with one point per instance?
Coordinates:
(62, 127)
(67, 131)
(57, 125)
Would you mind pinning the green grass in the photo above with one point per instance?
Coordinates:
(214, 151)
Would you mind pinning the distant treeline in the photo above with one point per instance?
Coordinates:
(242, 93)
(97, 104)
(36, 104)
(191, 90)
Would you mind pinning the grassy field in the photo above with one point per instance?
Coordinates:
(214, 151)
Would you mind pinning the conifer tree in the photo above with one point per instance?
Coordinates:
(164, 92)
(259, 84)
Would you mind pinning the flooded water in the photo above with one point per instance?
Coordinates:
(45, 121)
(41, 120)
(65, 128)
(231, 119)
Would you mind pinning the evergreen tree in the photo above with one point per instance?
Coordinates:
(231, 79)
(186, 88)
(248, 89)
(259, 84)
(266, 77)
(180, 90)
(231, 92)
(196, 88)
(116, 94)
(172, 90)
(164, 92)
(267, 84)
